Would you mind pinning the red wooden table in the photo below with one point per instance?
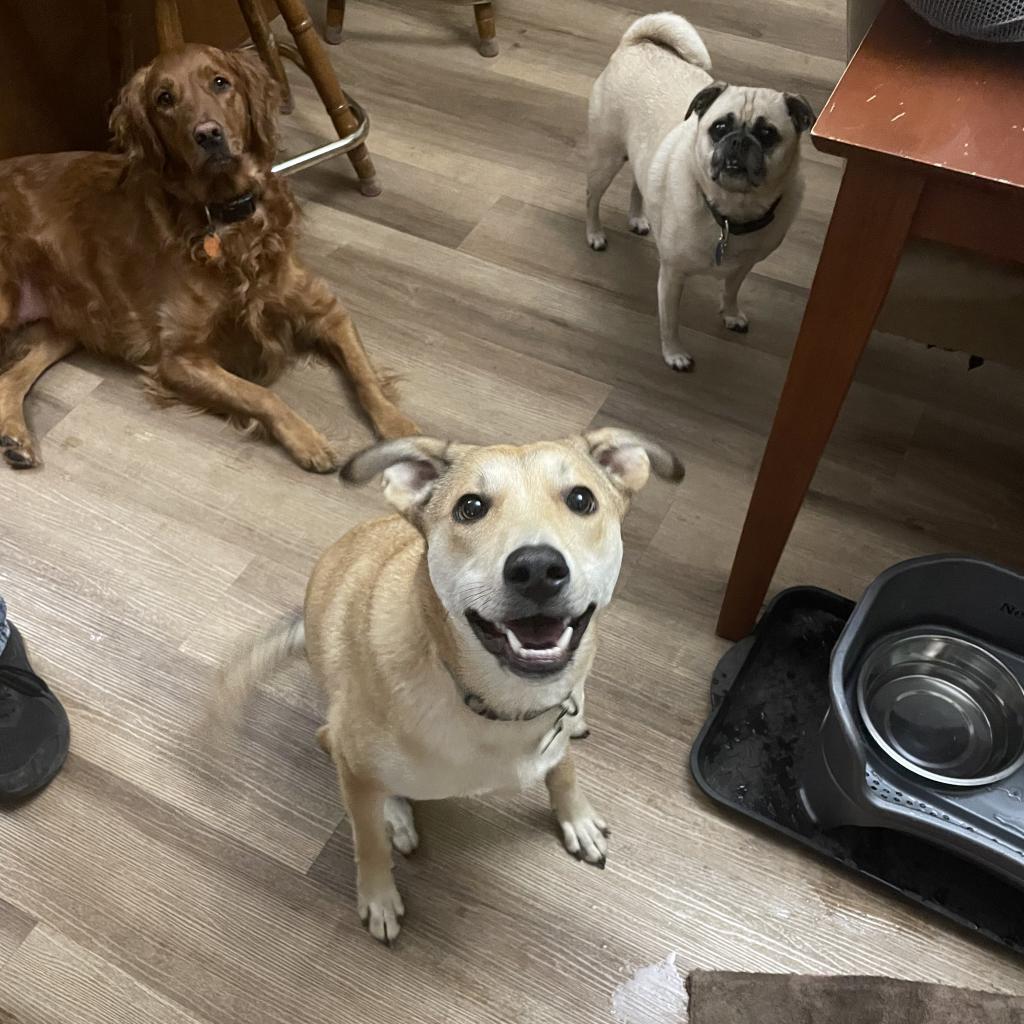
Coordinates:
(933, 131)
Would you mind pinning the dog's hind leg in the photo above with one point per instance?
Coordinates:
(638, 223)
(605, 158)
(401, 824)
(379, 904)
(41, 346)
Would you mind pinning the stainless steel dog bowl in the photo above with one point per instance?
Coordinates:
(943, 708)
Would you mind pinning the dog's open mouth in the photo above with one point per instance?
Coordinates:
(536, 646)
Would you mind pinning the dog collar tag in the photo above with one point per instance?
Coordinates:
(211, 245)
(723, 242)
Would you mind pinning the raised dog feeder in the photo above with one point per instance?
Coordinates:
(924, 732)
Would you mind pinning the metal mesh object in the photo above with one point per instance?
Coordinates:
(994, 21)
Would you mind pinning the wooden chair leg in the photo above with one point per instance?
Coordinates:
(318, 66)
(266, 46)
(169, 34)
(484, 13)
(869, 227)
(335, 21)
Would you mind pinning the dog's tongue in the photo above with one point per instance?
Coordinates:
(537, 631)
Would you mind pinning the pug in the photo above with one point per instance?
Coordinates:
(715, 167)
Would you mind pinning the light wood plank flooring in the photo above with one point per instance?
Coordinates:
(163, 880)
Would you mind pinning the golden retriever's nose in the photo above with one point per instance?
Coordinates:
(538, 572)
(209, 135)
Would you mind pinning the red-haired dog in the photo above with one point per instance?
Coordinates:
(176, 255)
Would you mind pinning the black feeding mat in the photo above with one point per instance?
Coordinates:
(768, 697)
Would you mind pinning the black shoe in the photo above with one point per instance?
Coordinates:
(34, 729)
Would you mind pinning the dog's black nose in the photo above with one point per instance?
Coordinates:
(538, 572)
(209, 135)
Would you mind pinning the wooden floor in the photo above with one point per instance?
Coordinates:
(162, 879)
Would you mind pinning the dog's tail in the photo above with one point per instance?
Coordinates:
(255, 662)
(672, 31)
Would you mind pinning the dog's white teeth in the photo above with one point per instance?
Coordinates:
(513, 642)
(565, 639)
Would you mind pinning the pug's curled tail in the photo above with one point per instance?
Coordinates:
(671, 31)
(254, 663)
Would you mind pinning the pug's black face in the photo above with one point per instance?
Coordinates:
(739, 150)
(747, 137)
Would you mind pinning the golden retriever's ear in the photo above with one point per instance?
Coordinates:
(411, 466)
(133, 131)
(629, 458)
(263, 98)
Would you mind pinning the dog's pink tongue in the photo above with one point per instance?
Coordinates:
(538, 630)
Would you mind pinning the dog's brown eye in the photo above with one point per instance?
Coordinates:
(766, 135)
(164, 99)
(221, 84)
(582, 501)
(719, 130)
(469, 508)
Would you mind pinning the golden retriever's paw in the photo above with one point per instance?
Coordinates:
(400, 824)
(597, 240)
(396, 424)
(380, 909)
(738, 323)
(18, 452)
(640, 225)
(312, 451)
(585, 835)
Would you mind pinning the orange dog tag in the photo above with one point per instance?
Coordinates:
(211, 245)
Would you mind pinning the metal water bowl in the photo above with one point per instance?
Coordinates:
(943, 708)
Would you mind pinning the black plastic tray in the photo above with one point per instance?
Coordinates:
(768, 696)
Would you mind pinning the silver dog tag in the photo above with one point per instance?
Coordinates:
(723, 242)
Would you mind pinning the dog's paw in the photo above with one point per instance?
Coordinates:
(640, 225)
(580, 731)
(312, 451)
(739, 323)
(18, 452)
(681, 362)
(400, 824)
(396, 424)
(585, 836)
(380, 909)
(597, 241)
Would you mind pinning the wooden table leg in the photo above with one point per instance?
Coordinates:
(318, 67)
(169, 34)
(335, 21)
(484, 13)
(869, 227)
(266, 46)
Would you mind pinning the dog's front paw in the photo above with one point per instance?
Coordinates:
(380, 909)
(681, 362)
(585, 835)
(18, 452)
(395, 424)
(738, 323)
(640, 225)
(311, 450)
(597, 241)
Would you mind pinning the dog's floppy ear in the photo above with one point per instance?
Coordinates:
(629, 458)
(800, 112)
(410, 467)
(700, 103)
(263, 97)
(133, 131)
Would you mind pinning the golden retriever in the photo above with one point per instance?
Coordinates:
(175, 255)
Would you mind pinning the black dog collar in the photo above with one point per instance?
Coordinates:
(730, 227)
(231, 211)
(741, 227)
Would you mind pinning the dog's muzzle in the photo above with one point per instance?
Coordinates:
(738, 157)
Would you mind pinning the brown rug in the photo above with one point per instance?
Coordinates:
(719, 997)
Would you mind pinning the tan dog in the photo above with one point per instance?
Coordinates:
(453, 641)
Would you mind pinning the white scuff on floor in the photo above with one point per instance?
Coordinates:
(656, 994)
